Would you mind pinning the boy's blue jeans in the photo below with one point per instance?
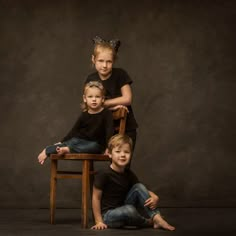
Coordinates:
(128, 214)
(76, 145)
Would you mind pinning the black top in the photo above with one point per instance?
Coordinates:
(114, 186)
(94, 127)
(113, 85)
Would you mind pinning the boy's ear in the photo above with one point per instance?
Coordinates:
(109, 154)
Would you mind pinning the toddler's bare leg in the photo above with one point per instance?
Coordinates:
(63, 150)
(42, 157)
(159, 222)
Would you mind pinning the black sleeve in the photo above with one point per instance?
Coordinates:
(124, 78)
(100, 179)
(87, 80)
(92, 77)
(73, 130)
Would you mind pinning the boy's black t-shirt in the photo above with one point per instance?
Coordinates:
(114, 186)
(113, 85)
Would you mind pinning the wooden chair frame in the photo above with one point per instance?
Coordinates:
(85, 175)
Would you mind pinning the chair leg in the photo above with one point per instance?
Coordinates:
(85, 193)
(53, 184)
(91, 184)
(91, 178)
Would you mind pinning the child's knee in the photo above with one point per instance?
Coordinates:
(140, 186)
(130, 210)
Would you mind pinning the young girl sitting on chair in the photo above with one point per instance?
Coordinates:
(92, 130)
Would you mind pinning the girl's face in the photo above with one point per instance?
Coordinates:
(103, 62)
(94, 99)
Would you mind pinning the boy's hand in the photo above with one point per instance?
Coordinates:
(99, 226)
(152, 202)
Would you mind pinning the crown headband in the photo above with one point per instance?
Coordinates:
(114, 43)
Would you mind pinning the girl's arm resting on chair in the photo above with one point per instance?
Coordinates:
(96, 204)
(125, 99)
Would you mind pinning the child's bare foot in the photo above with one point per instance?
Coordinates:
(159, 222)
(62, 150)
(42, 157)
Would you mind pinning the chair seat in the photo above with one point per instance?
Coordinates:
(80, 156)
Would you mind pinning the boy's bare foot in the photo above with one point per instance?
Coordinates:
(63, 150)
(42, 157)
(159, 222)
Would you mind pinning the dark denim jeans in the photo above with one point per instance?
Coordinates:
(76, 145)
(128, 215)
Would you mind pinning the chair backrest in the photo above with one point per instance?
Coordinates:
(119, 117)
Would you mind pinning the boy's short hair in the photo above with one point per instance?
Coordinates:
(118, 140)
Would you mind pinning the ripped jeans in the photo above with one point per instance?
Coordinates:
(128, 215)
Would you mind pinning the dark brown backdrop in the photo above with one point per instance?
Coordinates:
(181, 56)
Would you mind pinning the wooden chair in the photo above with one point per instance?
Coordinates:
(85, 175)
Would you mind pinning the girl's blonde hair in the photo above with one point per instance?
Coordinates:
(104, 46)
(118, 140)
(92, 84)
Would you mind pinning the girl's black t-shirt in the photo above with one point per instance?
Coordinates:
(113, 85)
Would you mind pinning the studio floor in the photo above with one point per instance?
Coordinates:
(188, 221)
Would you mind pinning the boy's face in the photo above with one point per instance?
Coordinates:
(120, 156)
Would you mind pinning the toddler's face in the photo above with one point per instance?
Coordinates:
(94, 99)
